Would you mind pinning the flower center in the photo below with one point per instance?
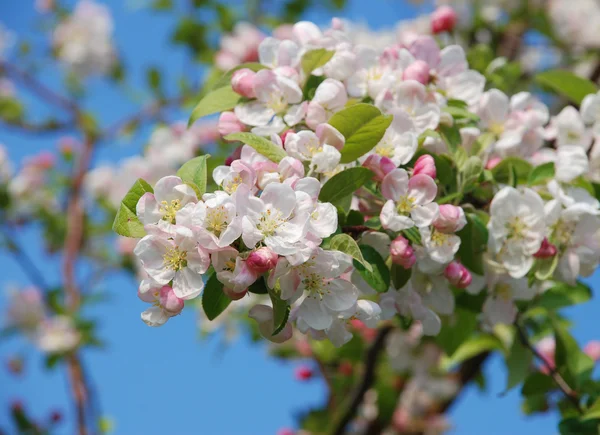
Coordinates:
(385, 149)
(439, 239)
(374, 74)
(175, 259)
(231, 185)
(315, 285)
(503, 292)
(497, 128)
(277, 102)
(269, 222)
(516, 228)
(562, 232)
(169, 210)
(573, 136)
(313, 147)
(405, 204)
(216, 220)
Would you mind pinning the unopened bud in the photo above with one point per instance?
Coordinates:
(592, 349)
(450, 219)
(234, 296)
(235, 155)
(55, 416)
(242, 82)
(229, 123)
(402, 253)
(380, 166)
(443, 19)
(303, 373)
(418, 70)
(547, 250)
(169, 301)
(262, 260)
(425, 165)
(458, 275)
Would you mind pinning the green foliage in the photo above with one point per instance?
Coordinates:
(379, 277)
(456, 329)
(569, 356)
(191, 33)
(450, 135)
(399, 275)
(512, 171)
(281, 309)
(126, 222)
(537, 383)
(541, 174)
(344, 184)
(313, 59)
(566, 84)
(216, 101)
(261, 145)
(518, 363)
(346, 244)
(194, 174)
(363, 126)
(575, 426)
(11, 110)
(472, 347)
(564, 295)
(214, 301)
(473, 241)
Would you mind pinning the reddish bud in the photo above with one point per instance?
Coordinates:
(285, 134)
(592, 349)
(547, 250)
(443, 19)
(234, 296)
(55, 416)
(402, 253)
(229, 123)
(425, 165)
(345, 368)
(450, 219)
(492, 163)
(169, 301)
(303, 373)
(262, 260)
(458, 275)
(235, 155)
(380, 166)
(242, 82)
(418, 70)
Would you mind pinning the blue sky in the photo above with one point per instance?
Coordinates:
(158, 381)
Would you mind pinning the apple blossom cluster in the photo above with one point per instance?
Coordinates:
(27, 313)
(83, 40)
(468, 190)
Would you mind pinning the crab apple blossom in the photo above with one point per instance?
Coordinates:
(458, 275)
(443, 19)
(402, 253)
(170, 195)
(263, 314)
(165, 303)
(425, 165)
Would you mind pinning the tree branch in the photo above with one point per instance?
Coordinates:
(571, 394)
(367, 380)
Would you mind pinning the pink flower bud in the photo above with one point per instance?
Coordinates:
(380, 166)
(234, 296)
(450, 219)
(290, 167)
(262, 260)
(285, 134)
(418, 71)
(345, 368)
(425, 165)
(547, 250)
(337, 24)
(458, 275)
(592, 349)
(402, 253)
(169, 301)
(229, 123)
(303, 373)
(491, 163)
(242, 82)
(443, 19)
(235, 155)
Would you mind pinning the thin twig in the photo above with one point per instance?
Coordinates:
(571, 394)
(367, 379)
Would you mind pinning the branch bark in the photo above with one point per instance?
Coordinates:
(367, 379)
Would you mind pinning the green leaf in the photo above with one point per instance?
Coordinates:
(541, 174)
(399, 275)
(518, 364)
(281, 309)
(564, 295)
(482, 143)
(471, 170)
(313, 59)
(346, 244)
(154, 79)
(461, 113)
(379, 277)
(193, 173)
(260, 144)
(52, 360)
(259, 287)
(473, 241)
(593, 411)
(216, 101)
(457, 329)
(545, 267)
(537, 383)
(363, 126)
(569, 355)
(575, 426)
(511, 170)
(344, 183)
(451, 136)
(214, 301)
(473, 347)
(567, 84)
(126, 222)
(534, 404)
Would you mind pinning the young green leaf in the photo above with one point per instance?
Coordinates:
(564, 295)
(214, 301)
(363, 126)
(379, 277)
(512, 170)
(593, 411)
(451, 136)
(126, 222)
(313, 59)
(399, 275)
(518, 364)
(193, 172)
(216, 101)
(344, 183)
(473, 241)
(569, 355)
(346, 244)
(540, 174)
(472, 347)
(567, 84)
(537, 383)
(260, 144)
(281, 309)
(456, 330)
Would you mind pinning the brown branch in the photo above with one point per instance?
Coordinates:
(355, 229)
(38, 88)
(571, 394)
(367, 379)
